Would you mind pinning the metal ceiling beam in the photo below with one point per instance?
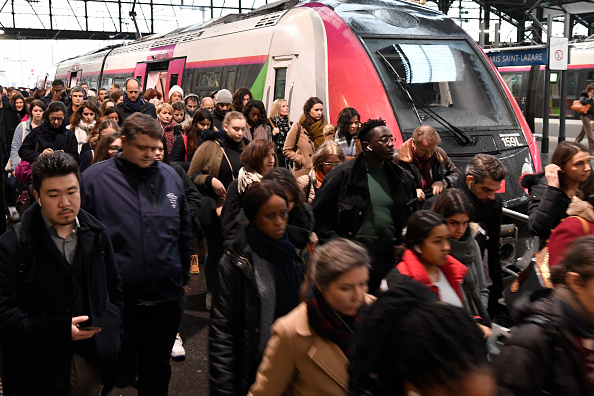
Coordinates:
(14, 34)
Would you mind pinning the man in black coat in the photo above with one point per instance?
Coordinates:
(133, 102)
(484, 177)
(56, 94)
(60, 294)
(368, 199)
(9, 120)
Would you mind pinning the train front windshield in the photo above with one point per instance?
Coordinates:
(447, 76)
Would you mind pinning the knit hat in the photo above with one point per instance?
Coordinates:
(176, 88)
(224, 97)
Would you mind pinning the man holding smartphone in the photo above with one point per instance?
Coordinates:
(60, 291)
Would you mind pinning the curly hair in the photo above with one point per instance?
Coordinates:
(237, 99)
(343, 122)
(258, 105)
(407, 336)
(369, 126)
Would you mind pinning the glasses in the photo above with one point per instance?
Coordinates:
(384, 139)
(332, 164)
(114, 148)
(56, 119)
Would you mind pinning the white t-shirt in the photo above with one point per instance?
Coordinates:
(447, 294)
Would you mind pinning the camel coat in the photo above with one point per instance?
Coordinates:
(298, 362)
(299, 149)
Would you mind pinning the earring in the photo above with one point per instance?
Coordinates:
(418, 249)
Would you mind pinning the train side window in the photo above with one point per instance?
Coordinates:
(210, 79)
(174, 79)
(230, 83)
(280, 83)
(187, 81)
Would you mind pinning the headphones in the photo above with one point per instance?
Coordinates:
(135, 79)
(85, 97)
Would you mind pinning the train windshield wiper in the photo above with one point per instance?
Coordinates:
(461, 138)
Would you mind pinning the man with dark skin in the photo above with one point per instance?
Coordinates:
(57, 93)
(368, 200)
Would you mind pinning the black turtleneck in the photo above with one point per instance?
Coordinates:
(133, 173)
(233, 150)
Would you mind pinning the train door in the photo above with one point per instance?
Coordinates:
(280, 80)
(140, 73)
(161, 75)
(74, 78)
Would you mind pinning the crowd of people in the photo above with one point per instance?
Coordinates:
(334, 262)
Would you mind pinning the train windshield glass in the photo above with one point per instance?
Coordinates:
(445, 77)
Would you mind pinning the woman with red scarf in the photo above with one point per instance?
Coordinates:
(427, 260)
(309, 350)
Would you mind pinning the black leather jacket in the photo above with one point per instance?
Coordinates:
(342, 200)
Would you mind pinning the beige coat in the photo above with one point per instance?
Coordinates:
(299, 362)
(299, 150)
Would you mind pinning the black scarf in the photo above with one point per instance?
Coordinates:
(327, 324)
(232, 144)
(50, 132)
(134, 105)
(281, 253)
(22, 112)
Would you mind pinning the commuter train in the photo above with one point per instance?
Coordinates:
(400, 61)
(580, 73)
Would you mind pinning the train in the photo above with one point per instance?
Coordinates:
(580, 73)
(397, 60)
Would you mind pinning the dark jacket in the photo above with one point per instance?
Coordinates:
(488, 216)
(146, 214)
(41, 138)
(194, 199)
(179, 151)
(235, 321)
(443, 168)
(342, 200)
(9, 120)
(124, 110)
(586, 100)
(530, 364)
(547, 206)
(36, 315)
(218, 119)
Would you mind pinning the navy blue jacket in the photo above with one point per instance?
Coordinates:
(147, 217)
(36, 308)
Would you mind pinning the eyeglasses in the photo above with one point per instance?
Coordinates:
(384, 139)
(56, 119)
(332, 164)
(114, 148)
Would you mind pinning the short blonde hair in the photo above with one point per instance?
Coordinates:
(276, 108)
(165, 106)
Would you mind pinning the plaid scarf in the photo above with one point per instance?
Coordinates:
(424, 167)
(327, 324)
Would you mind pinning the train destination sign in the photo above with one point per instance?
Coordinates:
(519, 58)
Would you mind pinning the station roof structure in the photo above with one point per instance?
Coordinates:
(113, 19)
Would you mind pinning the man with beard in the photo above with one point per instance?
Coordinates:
(223, 104)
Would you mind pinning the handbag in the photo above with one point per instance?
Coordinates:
(578, 107)
(23, 172)
(535, 280)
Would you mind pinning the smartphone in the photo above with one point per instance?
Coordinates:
(90, 326)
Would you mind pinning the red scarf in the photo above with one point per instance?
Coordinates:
(168, 135)
(424, 167)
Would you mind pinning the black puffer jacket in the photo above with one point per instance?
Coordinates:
(547, 206)
(235, 321)
(7, 128)
(530, 364)
(341, 202)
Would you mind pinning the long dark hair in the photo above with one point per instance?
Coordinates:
(192, 130)
(258, 105)
(451, 202)
(237, 99)
(563, 154)
(309, 104)
(258, 194)
(419, 227)
(343, 122)
(102, 149)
